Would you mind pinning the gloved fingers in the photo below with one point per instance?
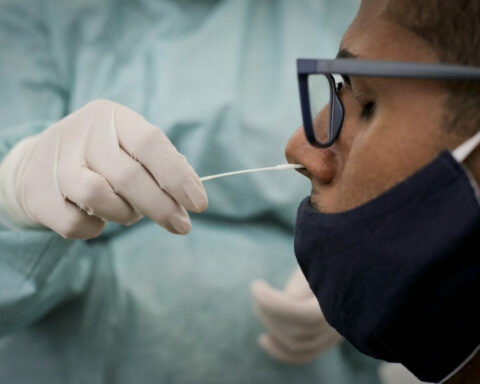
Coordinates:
(149, 146)
(292, 328)
(92, 193)
(281, 306)
(280, 352)
(137, 186)
(296, 338)
(299, 335)
(129, 179)
(328, 340)
(297, 285)
(303, 352)
(318, 342)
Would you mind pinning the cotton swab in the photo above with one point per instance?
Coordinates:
(280, 167)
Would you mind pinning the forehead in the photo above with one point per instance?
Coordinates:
(374, 34)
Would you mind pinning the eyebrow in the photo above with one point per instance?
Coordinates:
(346, 54)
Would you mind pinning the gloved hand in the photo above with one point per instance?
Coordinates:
(296, 328)
(103, 162)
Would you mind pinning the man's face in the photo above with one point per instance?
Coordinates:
(392, 127)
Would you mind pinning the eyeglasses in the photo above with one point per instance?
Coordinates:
(319, 83)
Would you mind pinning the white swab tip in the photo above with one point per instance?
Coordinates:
(289, 166)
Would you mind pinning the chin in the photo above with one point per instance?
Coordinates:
(316, 204)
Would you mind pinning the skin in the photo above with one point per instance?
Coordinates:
(401, 135)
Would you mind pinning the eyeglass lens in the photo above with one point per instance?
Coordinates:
(321, 90)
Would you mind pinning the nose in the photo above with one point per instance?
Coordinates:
(319, 163)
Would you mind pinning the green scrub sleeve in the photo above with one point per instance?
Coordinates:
(38, 268)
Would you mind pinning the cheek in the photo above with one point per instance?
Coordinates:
(403, 141)
(354, 185)
(361, 178)
(352, 122)
(365, 176)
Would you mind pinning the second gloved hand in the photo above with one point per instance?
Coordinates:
(296, 328)
(103, 162)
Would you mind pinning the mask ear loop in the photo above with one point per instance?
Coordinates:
(462, 152)
(465, 149)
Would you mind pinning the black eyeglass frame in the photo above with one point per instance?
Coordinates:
(360, 67)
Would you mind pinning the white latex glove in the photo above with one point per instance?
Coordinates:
(296, 328)
(394, 373)
(103, 162)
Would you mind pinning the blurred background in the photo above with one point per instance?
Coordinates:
(139, 305)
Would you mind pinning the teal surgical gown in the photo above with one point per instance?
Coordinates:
(138, 304)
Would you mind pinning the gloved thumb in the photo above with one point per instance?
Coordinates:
(297, 286)
(270, 300)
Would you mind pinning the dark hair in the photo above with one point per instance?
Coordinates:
(452, 28)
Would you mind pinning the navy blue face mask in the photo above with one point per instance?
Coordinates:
(399, 277)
